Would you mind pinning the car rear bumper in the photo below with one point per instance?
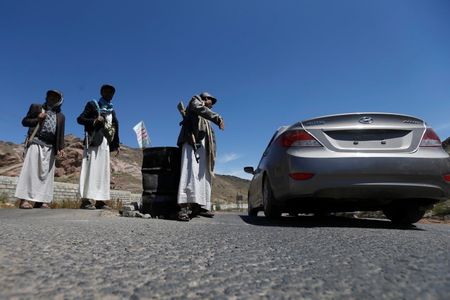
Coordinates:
(376, 178)
(380, 191)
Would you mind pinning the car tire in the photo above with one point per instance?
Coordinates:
(252, 212)
(270, 210)
(404, 214)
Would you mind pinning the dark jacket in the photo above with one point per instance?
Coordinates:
(31, 120)
(87, 118)
(446, 144)
(191, 123)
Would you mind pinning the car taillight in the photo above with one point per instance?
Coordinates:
(300, 138)
(447, 177)
(430, 139)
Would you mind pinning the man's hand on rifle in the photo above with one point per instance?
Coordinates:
(222, 124)
(42, 116)
(99, 119)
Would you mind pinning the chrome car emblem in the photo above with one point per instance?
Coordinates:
(315, 123)
(366, 120)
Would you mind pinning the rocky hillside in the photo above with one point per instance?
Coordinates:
(126, 170)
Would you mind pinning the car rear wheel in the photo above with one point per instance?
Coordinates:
(404, 214)
(270, 210)
(252, 212)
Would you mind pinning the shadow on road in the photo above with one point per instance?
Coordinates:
(325, 221)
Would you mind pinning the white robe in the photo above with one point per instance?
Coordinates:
(95, 174)
(195, 179)
(37, 176)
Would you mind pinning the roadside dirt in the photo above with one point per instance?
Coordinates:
(445, 221)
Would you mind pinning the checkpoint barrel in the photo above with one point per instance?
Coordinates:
(160, 180)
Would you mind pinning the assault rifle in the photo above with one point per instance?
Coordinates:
(193, 141)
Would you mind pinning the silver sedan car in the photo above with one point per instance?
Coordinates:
(352, 162)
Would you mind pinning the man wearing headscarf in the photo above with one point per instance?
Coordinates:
(446, 145)
(101, 137)
(45, 139)
(198, 152)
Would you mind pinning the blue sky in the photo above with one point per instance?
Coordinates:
(270, 63)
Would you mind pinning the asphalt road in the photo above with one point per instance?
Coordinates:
(74, 254)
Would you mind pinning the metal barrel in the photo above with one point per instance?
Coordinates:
(160, 179)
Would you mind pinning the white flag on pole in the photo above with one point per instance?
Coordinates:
(142, 135)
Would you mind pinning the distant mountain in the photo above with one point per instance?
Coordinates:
(126, 170)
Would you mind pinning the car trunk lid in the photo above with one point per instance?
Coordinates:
(367, 132)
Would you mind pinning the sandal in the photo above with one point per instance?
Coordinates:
(86, 204)
(195, 211)
(41, 205)
(102, 205)
(25, 205)
(88, 207)
(206, 213)
(183, 215)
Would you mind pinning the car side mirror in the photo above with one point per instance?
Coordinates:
(249, 170)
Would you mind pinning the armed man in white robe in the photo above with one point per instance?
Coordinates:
(45, 139)
(101, 128)
(198, 153)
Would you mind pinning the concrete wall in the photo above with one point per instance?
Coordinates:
(232, 206)
(69, 191)
(63, 191)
